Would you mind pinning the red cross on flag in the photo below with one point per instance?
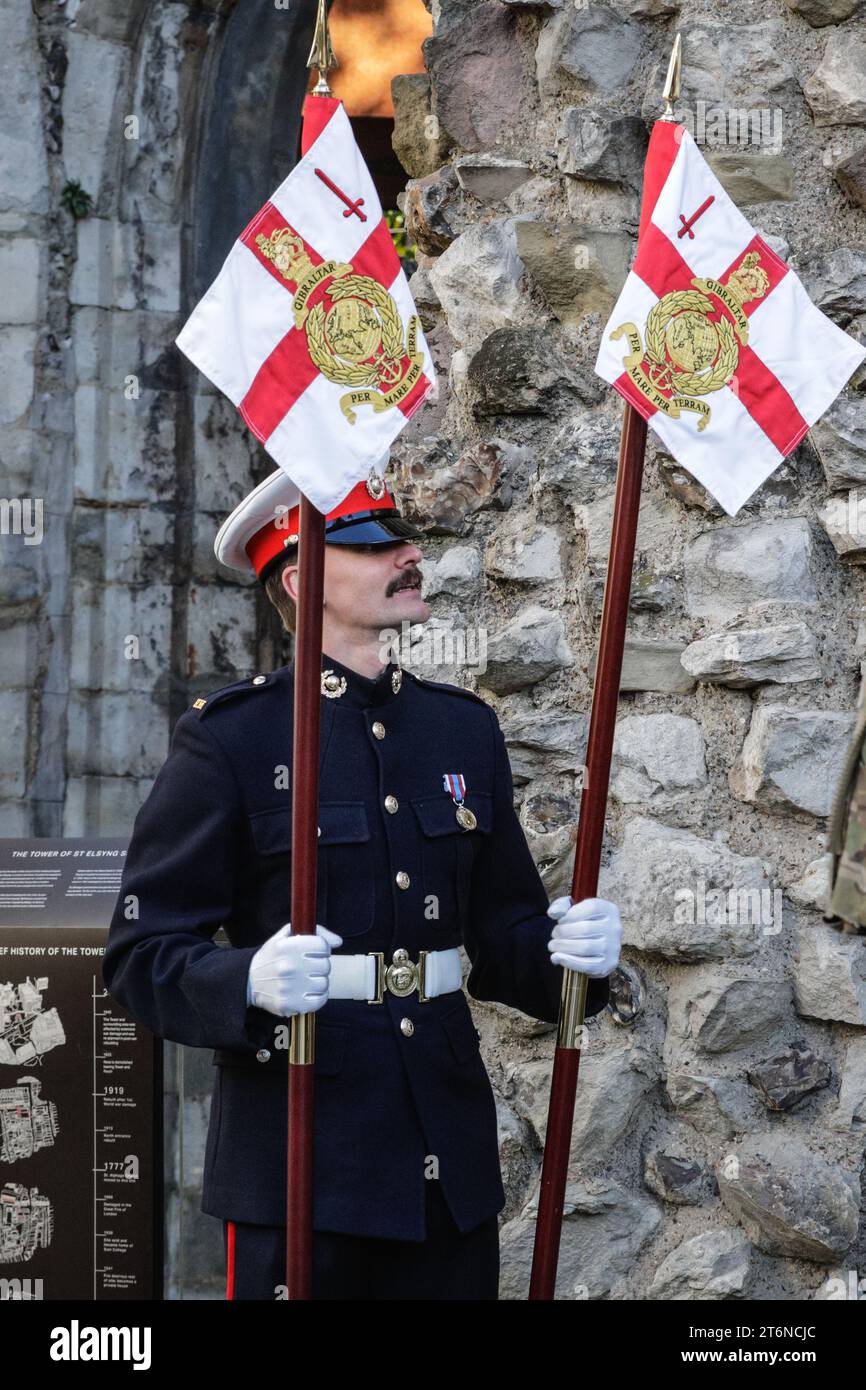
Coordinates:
(713, 339)
(310, 328)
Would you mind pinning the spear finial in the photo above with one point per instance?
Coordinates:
(322, 55)
(672, 81)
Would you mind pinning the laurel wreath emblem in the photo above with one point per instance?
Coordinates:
(696, 383)
(337, 369)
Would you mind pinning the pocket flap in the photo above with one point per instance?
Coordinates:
(272, 830)
(437, 815)
(340, 822)
(343, 823)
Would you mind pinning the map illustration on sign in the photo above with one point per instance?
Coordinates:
(27, 1122)
(26, 1222)
(27, 1031)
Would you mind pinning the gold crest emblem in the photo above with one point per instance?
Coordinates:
(354, 333)
(688, 354)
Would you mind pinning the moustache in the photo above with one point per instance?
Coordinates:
(411, 579)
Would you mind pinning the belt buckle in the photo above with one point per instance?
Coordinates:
(402, 977)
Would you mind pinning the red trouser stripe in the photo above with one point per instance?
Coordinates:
(230, 1261)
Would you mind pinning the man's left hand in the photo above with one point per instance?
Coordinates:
(587, 935)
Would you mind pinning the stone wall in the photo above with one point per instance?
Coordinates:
(721, 1109)
(175, 118)
(718, 1140)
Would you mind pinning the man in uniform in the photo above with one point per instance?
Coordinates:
(419, 852)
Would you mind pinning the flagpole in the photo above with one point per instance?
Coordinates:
(305, 815)
(591, 821)
(305, 802)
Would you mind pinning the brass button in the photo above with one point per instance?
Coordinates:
(407, 1027)
(402, 879)
(259, 680)
(263, 1055)
(391, 804)
(318, 830)
(378, 729)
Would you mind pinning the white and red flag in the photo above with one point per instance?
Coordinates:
(713, 339)
(310, 328)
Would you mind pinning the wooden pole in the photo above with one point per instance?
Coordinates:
(587, 859)
(305, 803)
(305, 816)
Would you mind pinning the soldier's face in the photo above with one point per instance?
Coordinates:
(371, 586)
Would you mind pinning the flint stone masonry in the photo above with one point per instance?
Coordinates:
(716, 1107)
(763, 178)
(836, 91)
(605, 1227)
(658, 759)
(419, 141)
(744, 657)
(653, 665)
(830, 975)
(530, 647)
(478, 99)
(593, 50)
(527, 558)
(783, 1081)
(553, 745)
(490, 178)
(686, 898)
(578, 268)
(713, 1265)
(488, 256)
(523, 148)
(723, 1015)
(850, 1114)
(738, 564)
(602, 144)
(840, 439)
(790, 1201)
(850, 174)
(678, 1180)
(836, 280)
(821, 12)
(792, 758)
(615, 1092)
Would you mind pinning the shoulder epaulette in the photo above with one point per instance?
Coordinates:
(445, 685)
(250, 686)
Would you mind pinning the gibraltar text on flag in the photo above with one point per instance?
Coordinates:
(713, 339)
(310, 328)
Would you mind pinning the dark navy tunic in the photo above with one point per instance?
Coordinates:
(211, 848)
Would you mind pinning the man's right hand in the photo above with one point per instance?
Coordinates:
(289, 974)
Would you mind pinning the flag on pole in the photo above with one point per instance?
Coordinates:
(310, 328)
(713, 339)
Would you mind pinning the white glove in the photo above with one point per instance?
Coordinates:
(289, 974)
(587, 936)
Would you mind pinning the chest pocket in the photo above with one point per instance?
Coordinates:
(345, 891)
(346, 857)
(448, 851)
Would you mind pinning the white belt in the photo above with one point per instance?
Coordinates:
(365, 976)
